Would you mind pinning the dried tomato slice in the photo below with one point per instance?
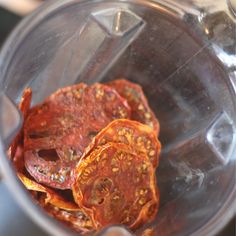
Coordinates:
(140, 137)
(56, 174)
(24, 107)
(18, 159)
(67, 212)
(57, 117)
(51, 197)
(76, 220)
(103, 104)
(114, 185)
(138, 102)
(52, 140)
(58, 130)
(25, 102)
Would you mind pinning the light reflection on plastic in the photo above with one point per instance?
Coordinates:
(228, 60)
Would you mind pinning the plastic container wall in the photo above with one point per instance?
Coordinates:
(182, 54)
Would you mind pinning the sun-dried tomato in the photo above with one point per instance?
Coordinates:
(76, 220)
(115, 185)
(51, 197)
(141, 138)
(103, 104)
(24, 107)
(18, 159)
(81, 138)
(140, 110)
(58, 131)
(67, 212)
(57, 122)
(57, 174)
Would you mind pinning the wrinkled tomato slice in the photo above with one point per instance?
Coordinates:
(56, 174)
(53, 137)
(65, 211)
(58, 130)
(51, 122)
(114, 185)
(24, 107)
(76, 220)
(140, 110)
(103, 104)
(51, 197)
(141, 138)
(25, 102)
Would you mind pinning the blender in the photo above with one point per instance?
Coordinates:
(183, 54)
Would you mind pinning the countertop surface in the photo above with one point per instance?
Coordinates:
(13, 221)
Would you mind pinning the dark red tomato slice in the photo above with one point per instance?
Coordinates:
(140, 110)
(24, 107)
(25, 102)
(141, 138)
(116, 186)
(103, 104)
(58, 130)
(18, 159)
(53, 140)
(56, 174)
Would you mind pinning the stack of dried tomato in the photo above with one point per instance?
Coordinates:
(88, 155)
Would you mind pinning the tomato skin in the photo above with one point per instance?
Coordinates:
(140, 109)
(99, 141)
(141, 138)
(56, 206)
(58, 130)
(114, 185)
(24, 107)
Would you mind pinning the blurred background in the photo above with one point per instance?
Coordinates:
(12, 219)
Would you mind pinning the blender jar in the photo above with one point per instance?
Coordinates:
(181, 53)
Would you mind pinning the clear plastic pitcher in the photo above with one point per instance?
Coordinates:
(183, 55)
